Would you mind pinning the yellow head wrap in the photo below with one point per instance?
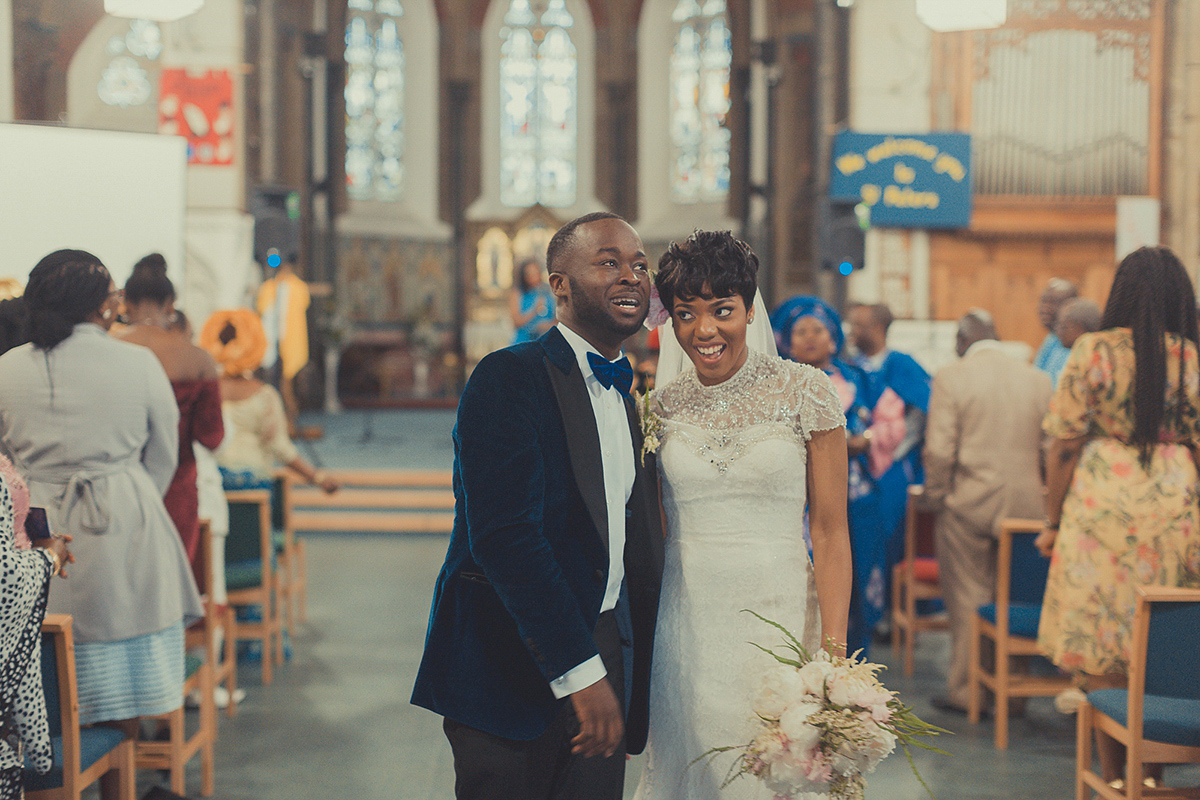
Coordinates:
(244, 352)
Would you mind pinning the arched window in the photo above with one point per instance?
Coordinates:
(684, 58)
(699, 102)
(374, 100)
(539, 100)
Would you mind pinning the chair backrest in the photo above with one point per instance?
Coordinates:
(1169, 619)
(1029, 569)
(58, 685)
(249, 525)
(919, 526)
(279, 500)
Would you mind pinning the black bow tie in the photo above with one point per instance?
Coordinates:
(612, 374)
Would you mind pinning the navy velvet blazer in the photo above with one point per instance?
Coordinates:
(518, 597)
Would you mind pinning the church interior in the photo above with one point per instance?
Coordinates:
(407, 157)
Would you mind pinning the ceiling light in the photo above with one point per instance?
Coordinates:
(158, 10)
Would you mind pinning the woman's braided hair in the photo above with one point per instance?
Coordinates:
(1152, 295)
(65, 288)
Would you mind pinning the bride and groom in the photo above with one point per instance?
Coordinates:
(559, 585)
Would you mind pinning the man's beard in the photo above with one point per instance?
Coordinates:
(596, 315)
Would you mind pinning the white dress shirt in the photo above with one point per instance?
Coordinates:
(617, 458)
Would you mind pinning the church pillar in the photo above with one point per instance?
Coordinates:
(1181, 127)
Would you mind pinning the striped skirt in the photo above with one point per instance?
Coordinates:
(138, 677)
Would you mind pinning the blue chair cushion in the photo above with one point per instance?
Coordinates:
(190, 665)
(243, 575)
(1023, 618)
(94, 744)
(1170, 720)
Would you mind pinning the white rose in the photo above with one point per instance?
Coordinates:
(794, 724)
(780, 687)
(814, 676)
(850, 689)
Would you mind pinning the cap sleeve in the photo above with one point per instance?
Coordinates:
(1072, 407)
(819, 406)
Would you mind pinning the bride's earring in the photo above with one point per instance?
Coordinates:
(107, 313)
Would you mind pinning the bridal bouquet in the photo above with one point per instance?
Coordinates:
(825, 722)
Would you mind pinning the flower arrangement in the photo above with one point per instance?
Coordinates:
(826, 722)
(652, 426)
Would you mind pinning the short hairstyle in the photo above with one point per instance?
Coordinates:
(149, 281)
(65, 288)
(707, 264)
(1083, 312)
(563, 236)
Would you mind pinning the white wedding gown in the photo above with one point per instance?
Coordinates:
(733, 485)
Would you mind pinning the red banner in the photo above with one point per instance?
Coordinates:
(199, 107)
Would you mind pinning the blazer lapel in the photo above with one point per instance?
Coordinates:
(579, 425)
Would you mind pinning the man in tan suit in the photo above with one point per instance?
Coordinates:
(981, 465)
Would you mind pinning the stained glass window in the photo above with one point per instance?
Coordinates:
(699, 77)
(539, 98)
(374, 100)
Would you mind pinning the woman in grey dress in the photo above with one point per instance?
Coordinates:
(91, 423)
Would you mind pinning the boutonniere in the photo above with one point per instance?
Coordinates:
(652, 426)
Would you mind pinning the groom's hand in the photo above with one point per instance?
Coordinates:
(600, 724)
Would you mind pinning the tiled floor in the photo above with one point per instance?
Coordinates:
(336, 723)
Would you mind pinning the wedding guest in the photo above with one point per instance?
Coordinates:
(1075, 318)
(531, 303)
(150, 308)
(982, 451)
(890, 369)
(1052, 355)
(282, 302)
(26, 574)
(92, 425)
(875, 428)
(257, 436)
(1121, 504)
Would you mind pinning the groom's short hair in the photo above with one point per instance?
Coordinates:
(707, 264)
(563, 236)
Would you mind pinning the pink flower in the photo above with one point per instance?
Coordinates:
(817, 767)
(658, 312)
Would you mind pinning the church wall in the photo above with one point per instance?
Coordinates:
(6, 61)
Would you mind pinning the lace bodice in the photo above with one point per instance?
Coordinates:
(768, 394)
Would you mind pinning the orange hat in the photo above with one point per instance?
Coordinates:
(244, 352)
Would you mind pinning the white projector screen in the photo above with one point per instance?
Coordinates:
(116, 195)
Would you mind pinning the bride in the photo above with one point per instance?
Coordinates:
(747, 437)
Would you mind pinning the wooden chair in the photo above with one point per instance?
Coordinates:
(915, 578)
(1011, 624)
(178, 749)
(291, 554)
(81, 755)
(1158, 717)
(249, 573)
(224, 657)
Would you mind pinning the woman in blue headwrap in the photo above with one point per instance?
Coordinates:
(809, 330)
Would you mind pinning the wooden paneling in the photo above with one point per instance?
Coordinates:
(1006, 275)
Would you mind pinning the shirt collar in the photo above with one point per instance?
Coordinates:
(984, 344)
(581, 348)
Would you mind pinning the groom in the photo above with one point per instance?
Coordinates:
(542, 626)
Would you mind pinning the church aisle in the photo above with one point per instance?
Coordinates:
(336, 723)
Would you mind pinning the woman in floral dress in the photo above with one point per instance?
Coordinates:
(1121, 476)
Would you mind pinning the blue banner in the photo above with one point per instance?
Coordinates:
(907, 181)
